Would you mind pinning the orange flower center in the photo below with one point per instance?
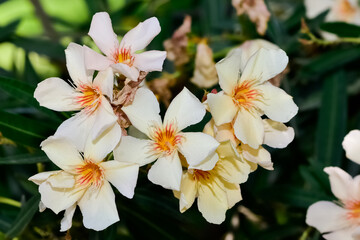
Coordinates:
(166, 139)
(346, 11)
(90, 98)
(123, 55)
(90, 173)
(245, 94)
(200, 175)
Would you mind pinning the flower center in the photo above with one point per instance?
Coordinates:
(166, 139)
(90, 98)
(124, 56)
(90, 173)
(245, 94)
(200, 175)
(346, 11)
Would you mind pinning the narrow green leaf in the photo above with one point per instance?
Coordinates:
(341, 29)
(27, 158)
(332, 121)
(8, 30)
(25, 215)
(30, 74)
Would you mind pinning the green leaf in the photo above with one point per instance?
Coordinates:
(341, 29)
(331, 126)
(25, 215)
(27, 158)
(24, 130)
(8, 30)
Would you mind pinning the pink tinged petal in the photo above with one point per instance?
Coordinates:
(150, 61)
(167, 172)
(105, 118)
(134, 150)
(265, 64)
(212, 203)
(75, 63)
(122, 175)
(259, 156)
(229, 71)
(314, 8)
(196, 146)
(343, 234)
(42, 177)
(66, 222)
(102, 33)
(62, 180)
(277, 104)
(208, 163)
(98, 207)
(144, 111)
(356, 233)
(341, 183)
(56, 94)
(222, 107)
(100, 147)
(96, 61)
(62, 153)
(180, 108)
(105, 82)
(248, 128)
(351, 145)
(141, 35)
(188, 192)
(326, 217)
(130, 72)
(277, 135)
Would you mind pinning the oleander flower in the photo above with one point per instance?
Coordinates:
(351, 144)
(217, 190)
(123, 57)
(166, 139)
(247, 94)
(84, 181)
(92, 97)
(340, 220)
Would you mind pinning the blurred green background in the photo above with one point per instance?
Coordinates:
(324, 81)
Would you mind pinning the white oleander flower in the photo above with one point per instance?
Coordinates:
(123, 57)
(167, 140)
(351, 144)
(84, 181)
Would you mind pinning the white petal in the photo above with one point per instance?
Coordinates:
(188, 192)
(248, 128)
(341, 183)
(351, 145)
(184, 110)
(150, 61)
(326, 216)
(102, 33)
(42, 177)
(56, 94)
(62, 180)
(62, 153)
(96, 61)
(277, 135)
(134, 150)
(208, 163)
(196, 146)
(105, 82)
(222, 107)
(314, 8)
(122, 175)
(343, 234)
(98, 207)
(141, 35)
(100, 147)
(129, 72)
(259, 156)
(105, 118)
(233, 193)
(144, 111)
(75, 63)
(265, 64)
(167, 172)
(277, 104)
(229, 71)
(66, 222)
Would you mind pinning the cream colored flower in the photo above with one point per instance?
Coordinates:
(84, 181)
(217, 190)
(351, 144)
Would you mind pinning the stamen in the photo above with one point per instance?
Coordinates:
(354, 209)
(166, 139)
(244, 95)
(123, 55)
(90, 98)
(90, 174)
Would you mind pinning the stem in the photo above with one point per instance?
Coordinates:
(10, 202)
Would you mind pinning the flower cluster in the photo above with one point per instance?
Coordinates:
(109, 95)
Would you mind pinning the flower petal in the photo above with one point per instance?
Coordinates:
(134, 150)
(98, 207)
(277, 135)
(197, 146)
(75, 63)
(144, 111)
(130, 72)
(167, 172)
(42, 177)
(208, 163)
(102, 33)
(105, 82)
(248, 128)
(343, 234)
(105, 118)
(56, 94)
(222, 108)
(351, 144)
(340, 182)
(259, 156)
(150, 61)
(265, 64)
(180, 107)
(229, 71)
(66, 222)
(122, 175)
(62, 180)
(188, 192)
(141, 35)
(96, 61)
(277, 104)
(233, 193)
